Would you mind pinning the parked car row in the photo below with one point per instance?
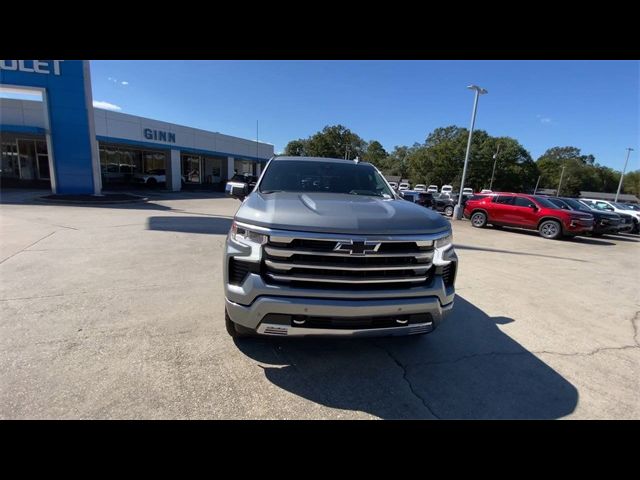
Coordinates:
(442, 202)
(421, 187)
(552, 217)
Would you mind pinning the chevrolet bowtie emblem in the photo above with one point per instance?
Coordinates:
(357, 247)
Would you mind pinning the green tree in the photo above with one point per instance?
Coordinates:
(580, 171)
(396, 162)
(296, 148)
(335, 141)
(631, 183)
(375, 154)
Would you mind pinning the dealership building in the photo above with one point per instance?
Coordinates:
(64, 142)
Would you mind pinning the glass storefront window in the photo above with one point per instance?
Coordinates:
(9, 166)
(120, 164)
(191, 169)
(154, 161)
(244, 166)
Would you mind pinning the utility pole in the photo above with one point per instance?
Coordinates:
(495, 159)
(560, 184)
(537, 183)
(623, 170)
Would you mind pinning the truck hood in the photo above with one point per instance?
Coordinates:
(339, 213)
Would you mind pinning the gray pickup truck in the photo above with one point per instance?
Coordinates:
(325, 247)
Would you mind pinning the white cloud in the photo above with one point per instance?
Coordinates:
(124, 83)
(106, 105)
(545, 120)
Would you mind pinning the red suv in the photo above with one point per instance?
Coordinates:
(527, 211)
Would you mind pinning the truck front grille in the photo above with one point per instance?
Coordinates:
(314, 263)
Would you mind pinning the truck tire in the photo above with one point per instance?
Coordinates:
(234, 330)
(479, 219)
(550, 229)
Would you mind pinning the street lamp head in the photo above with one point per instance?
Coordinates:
(478, 89)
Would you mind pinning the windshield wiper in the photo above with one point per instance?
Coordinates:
(369, 193)
(271, 191)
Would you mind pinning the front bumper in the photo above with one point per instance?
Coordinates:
(251, 316)
(253, 302)
(576, 227)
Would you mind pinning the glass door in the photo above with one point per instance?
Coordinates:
(43, 160)
(191, 168)
(27, 154)
(10, 166)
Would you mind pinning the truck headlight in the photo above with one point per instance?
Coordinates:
(246, 236)
(444, 242)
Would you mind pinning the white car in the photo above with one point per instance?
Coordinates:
(421, 187)
(486, 190)
(432, 189)
(394, 185)
(615, 208)
(404, 186)
(446, 189)
(467, 191)
(152, 177)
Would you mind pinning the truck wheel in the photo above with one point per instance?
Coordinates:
(479, 219)
(448, 211)
(233, 329)
(550, 229)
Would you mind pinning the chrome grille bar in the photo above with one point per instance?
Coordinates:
(325, 279)
(353, 268)
(288, 252)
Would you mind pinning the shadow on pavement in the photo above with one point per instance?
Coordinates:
(207, 225)
(17, 196)
(466, 369)
(624, 237)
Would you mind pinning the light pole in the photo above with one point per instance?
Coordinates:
(495, 159)
(623, 170)
(560, 183)
(457, 211)
(537, 183)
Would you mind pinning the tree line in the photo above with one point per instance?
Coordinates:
(440, 159)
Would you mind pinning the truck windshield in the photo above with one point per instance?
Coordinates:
(327, 177)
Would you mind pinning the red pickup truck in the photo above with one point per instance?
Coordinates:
(527, 211)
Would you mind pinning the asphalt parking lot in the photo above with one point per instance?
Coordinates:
(117, 312)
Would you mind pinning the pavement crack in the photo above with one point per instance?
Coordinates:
(405, 377)
(536, 352)
(28, 246)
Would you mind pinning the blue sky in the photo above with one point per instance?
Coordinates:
(593, 105)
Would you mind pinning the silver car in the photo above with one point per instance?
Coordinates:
(326, 247)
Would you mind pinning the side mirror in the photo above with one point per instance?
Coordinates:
(238, 192)
(533, 207)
